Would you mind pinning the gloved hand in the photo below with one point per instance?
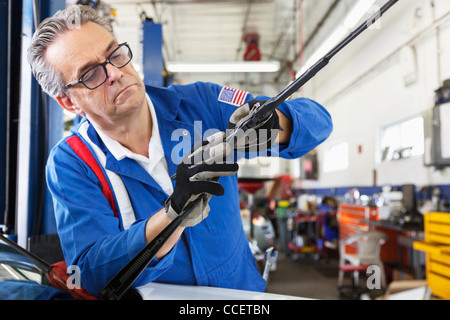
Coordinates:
(196, 176)
(259, 139)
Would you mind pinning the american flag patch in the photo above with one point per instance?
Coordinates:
(232, 96)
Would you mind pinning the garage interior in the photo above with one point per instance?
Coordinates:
(383, 172)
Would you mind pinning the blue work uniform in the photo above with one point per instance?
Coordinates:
(214, 252)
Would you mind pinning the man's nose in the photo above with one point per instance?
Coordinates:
(114, 74)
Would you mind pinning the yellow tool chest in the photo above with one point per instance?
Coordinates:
(437, 248)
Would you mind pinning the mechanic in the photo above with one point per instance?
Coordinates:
(77, 60)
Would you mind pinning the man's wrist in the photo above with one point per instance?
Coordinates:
(284, 135)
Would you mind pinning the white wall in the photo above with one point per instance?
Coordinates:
(363, 88)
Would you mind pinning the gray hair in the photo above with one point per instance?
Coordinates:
(71, 18)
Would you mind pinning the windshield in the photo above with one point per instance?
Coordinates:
(17, 267)
(23, 276)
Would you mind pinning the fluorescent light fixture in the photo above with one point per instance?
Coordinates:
(327, 45)
(357, 12)
(217, 67)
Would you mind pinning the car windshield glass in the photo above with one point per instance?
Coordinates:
(17, 267)
(22, 276)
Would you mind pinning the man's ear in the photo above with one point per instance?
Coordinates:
(65, 102)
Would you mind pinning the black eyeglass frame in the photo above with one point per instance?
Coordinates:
(103, 65)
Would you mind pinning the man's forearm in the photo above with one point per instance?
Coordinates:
(284, 135)
(155, 225)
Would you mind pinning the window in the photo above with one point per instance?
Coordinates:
(402, 140)
(336, 157)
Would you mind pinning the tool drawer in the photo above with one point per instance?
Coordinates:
(437, 248)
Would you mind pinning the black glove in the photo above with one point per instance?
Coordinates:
(259, 139)
(197, 175)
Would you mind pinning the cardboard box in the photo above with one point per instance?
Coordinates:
(398, 274)
(407, 290)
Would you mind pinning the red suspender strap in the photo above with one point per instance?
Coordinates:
(85, 154)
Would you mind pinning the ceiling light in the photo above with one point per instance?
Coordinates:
(358, 11)
(350, 21)
(244, 66)
(326, 46)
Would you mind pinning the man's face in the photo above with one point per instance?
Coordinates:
(77, 50)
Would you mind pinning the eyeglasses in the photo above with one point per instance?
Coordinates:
(97, 75)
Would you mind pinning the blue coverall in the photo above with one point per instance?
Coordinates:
(216, 251)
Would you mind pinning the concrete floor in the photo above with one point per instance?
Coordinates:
(304, 277)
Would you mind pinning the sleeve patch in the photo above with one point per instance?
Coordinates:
(232, 96)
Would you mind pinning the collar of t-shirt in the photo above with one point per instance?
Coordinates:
(155, 164)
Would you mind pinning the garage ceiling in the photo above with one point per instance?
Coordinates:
(212, 30)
